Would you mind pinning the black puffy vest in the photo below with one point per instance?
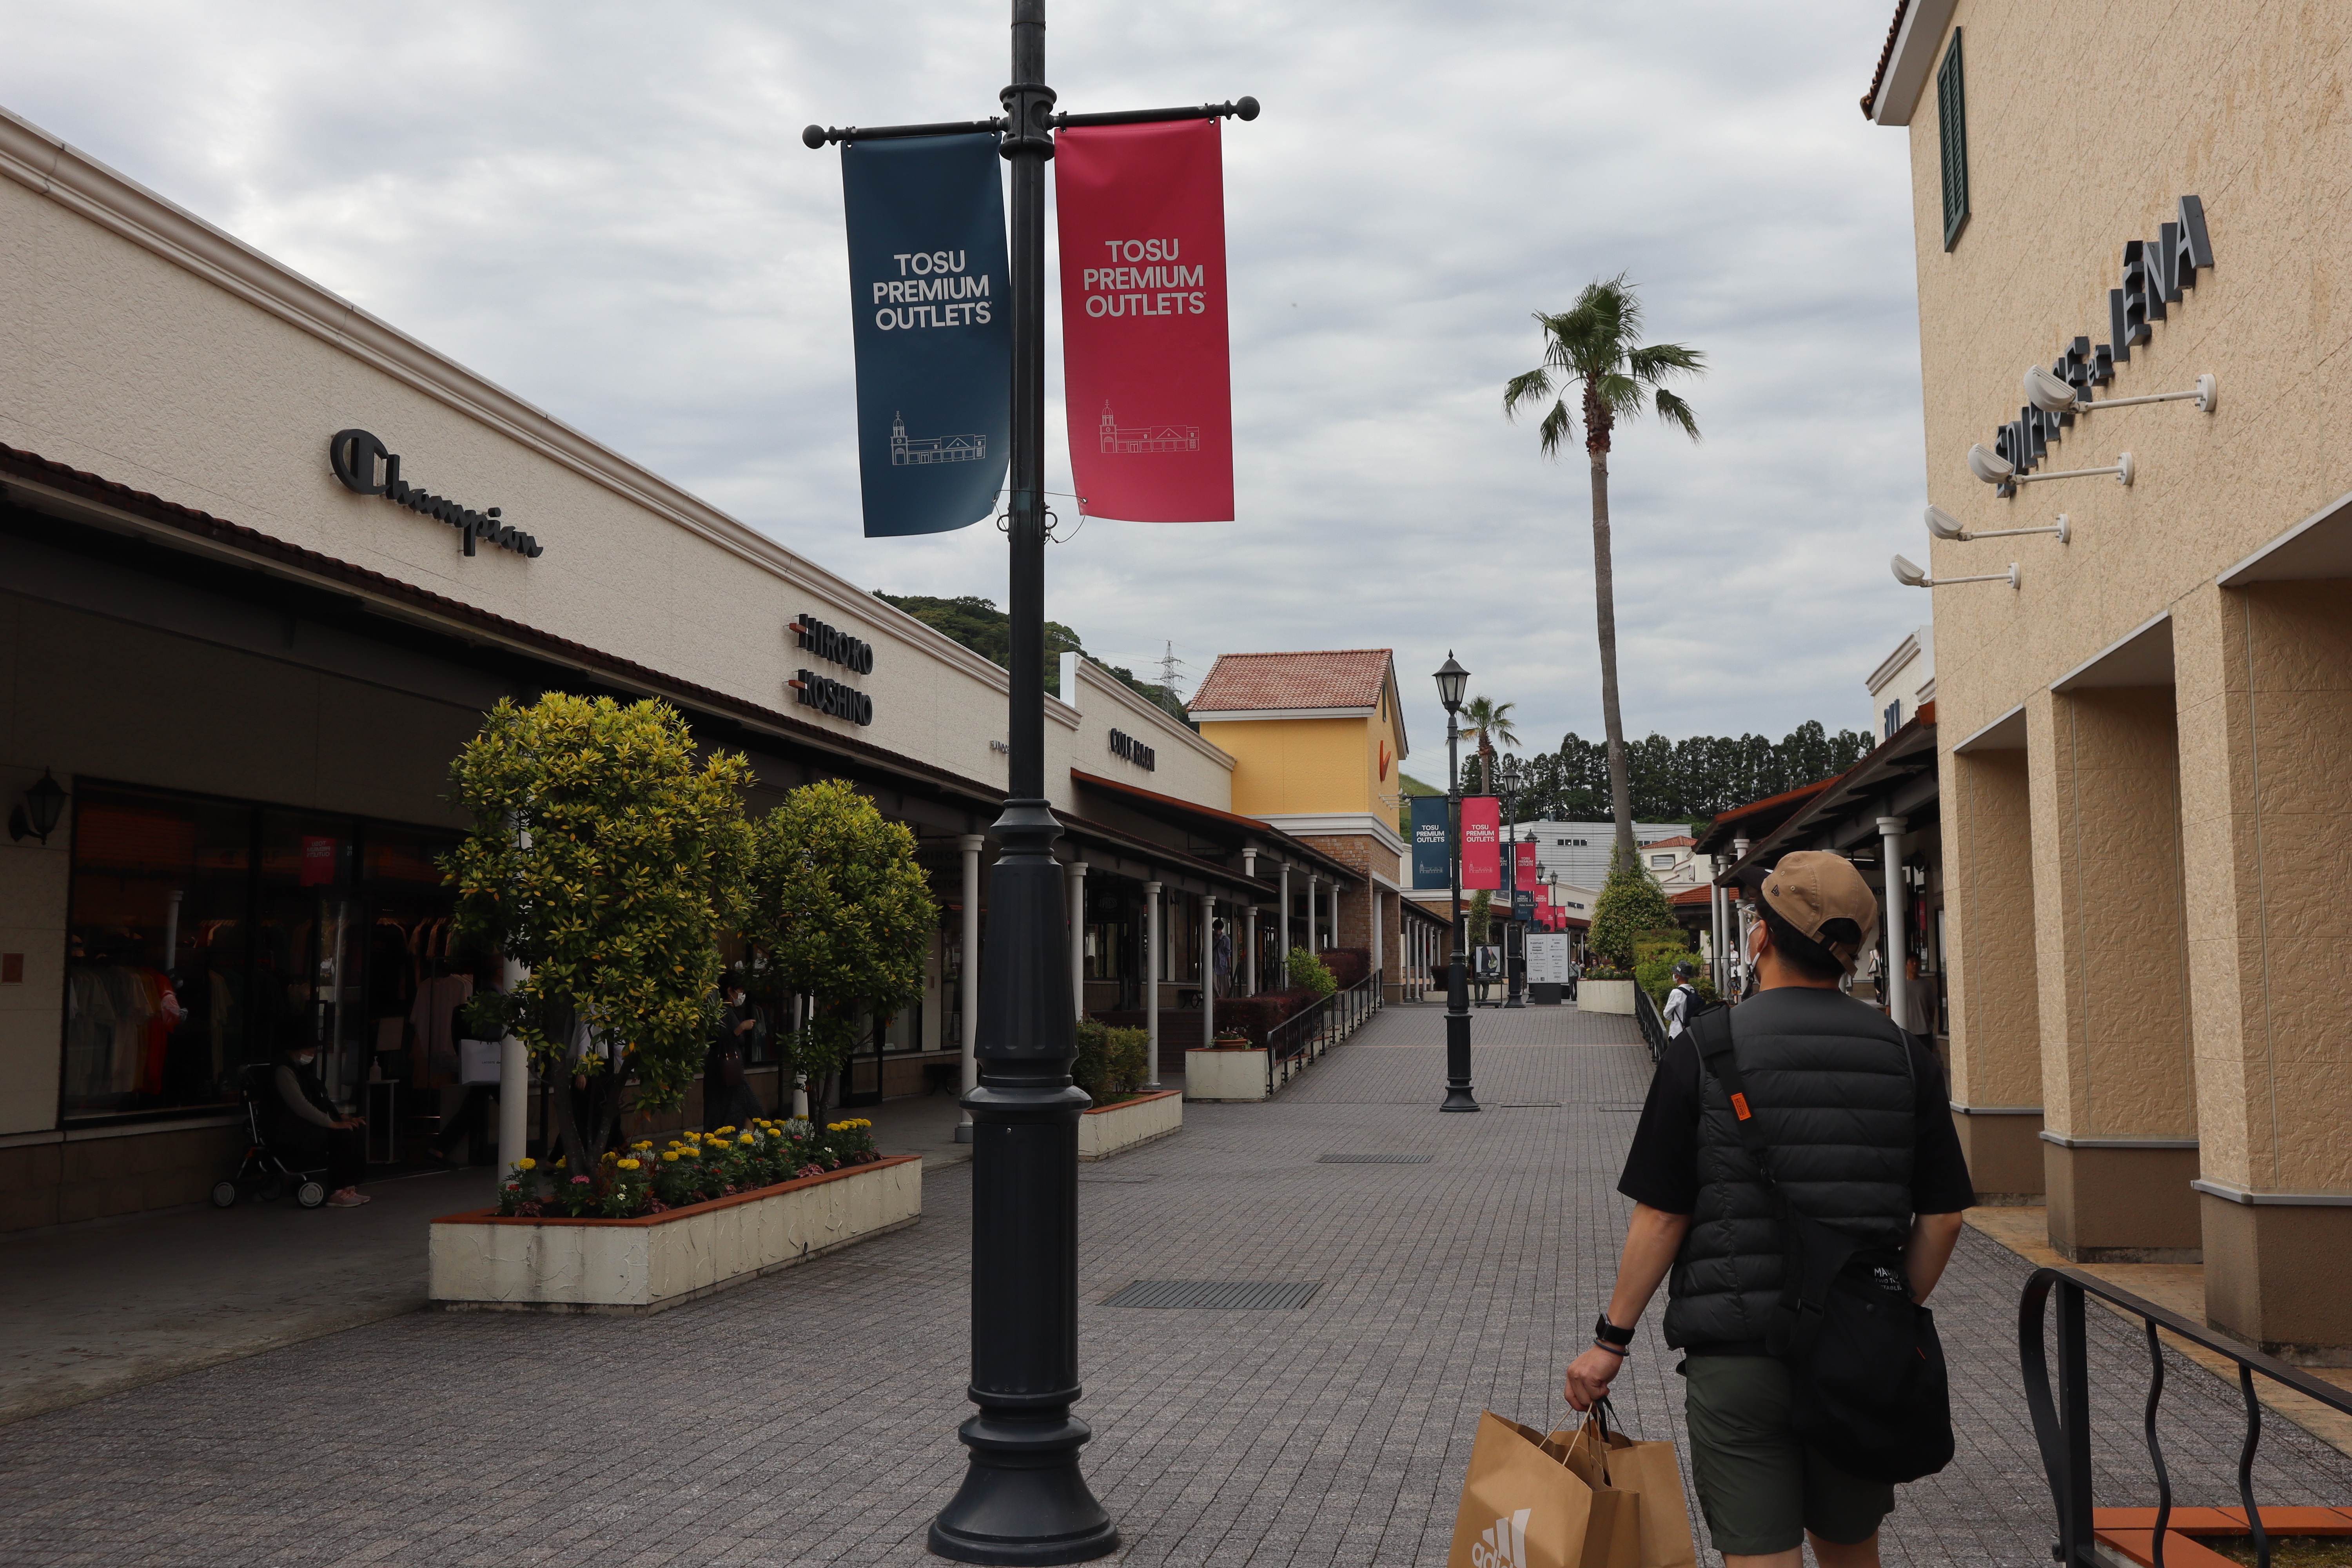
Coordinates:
(1830, 1081)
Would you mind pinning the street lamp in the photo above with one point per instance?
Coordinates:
(1510, 775)
(1024, 1499)
(1451, 680)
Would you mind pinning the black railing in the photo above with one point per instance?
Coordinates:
(2063, 1428)
(1653, 1027)
(1313, 1029)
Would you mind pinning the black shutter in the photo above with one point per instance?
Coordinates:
(1952, 132)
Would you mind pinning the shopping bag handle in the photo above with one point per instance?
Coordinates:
(1600, 1416)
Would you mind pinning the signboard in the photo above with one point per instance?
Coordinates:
(319, 861)
(1432, 846)
(1145, 358)
(1487, 963)
(1548, 958)
(1529, 874)
(1481, 847)
(933, 322)
(1523, 905)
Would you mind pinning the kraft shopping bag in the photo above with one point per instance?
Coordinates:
(1647, 1474)
(1522, 1507)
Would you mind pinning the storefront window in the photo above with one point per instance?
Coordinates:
(207, 935)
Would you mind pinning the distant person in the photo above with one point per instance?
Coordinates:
(1224, 964)
(728, 1100)
(308, 1130)
(1682, 1001)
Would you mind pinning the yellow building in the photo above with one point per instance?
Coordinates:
(1317, 740)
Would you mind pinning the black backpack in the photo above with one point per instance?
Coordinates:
(1868, 1377)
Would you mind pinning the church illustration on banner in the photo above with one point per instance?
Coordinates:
(920, 451)
(1124, 438)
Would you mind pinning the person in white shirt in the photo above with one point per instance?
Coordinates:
(1682, 1000)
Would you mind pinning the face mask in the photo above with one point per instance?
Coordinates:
(305, 1058)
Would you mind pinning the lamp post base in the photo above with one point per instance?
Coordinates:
(1458, 1061)
(1023, 1501)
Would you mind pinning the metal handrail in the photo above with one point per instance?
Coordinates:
(1325, 1023)
(1653, 1027)
(2061, 1428)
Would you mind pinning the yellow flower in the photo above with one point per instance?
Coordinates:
(671, 1156)
(526, 1164)
(691, 1153)
(628, 1164)
(745, 1139)
(722, 1132)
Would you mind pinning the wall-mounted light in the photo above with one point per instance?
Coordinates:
(1943, 525)
(2051, 395)
(1911, 576)
(1994, 469)
(45, 803)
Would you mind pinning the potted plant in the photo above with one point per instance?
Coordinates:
(1112, 1067)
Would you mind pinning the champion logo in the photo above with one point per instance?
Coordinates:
(1503, 1545)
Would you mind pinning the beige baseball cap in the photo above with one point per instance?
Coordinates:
(1810, 888)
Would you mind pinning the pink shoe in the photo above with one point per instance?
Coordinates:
(349, 1198)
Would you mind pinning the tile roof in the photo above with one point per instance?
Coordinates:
(1885, 59)
(1670, 843)
(1255, 682)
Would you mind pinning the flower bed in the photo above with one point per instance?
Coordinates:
(1137, 1119)
(695, 1168)
(485, 1261)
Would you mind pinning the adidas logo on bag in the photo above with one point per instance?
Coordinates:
(1504, 1544)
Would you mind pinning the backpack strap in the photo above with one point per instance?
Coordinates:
(1711, 1031)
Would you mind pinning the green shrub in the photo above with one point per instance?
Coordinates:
(1309, 973)
(1630, 908)
(1655, 957)
(1112, 1062)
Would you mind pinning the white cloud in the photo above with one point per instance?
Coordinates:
(607, 209)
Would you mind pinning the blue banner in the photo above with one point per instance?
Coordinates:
(1432, 846)
(928, 287)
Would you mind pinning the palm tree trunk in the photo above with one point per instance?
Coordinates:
(1604, 602)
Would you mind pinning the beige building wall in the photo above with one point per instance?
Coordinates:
(2070, 155)
(1988, 952)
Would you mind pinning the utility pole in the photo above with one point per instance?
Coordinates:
(1024, 1498)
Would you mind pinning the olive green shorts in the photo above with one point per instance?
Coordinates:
(1760, 1487)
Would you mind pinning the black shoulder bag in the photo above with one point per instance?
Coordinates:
(1871, 1391)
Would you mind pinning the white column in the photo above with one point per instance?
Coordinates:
(514, 1090)
(1208, 970)
(1312, 946)
(1249, 869)
(968, 998)
(1285, 970)
(1078, 938)
(1890, 850)
(1151, 981)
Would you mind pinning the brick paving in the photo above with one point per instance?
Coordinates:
(807, 1418)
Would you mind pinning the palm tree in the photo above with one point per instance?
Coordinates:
(1488, 722)
(1593, 347)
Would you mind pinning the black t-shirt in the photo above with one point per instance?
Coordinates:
(1662, 1167)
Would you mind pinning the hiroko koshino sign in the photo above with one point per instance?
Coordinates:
(1145, 357)
(933, 329)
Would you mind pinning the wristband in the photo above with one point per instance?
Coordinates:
(1613, 1349)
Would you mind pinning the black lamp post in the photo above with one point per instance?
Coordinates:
(45, 803)
(1510, 777)
(1024, 1499)
(1451, 681)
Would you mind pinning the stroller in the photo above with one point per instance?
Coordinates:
(262, 1169)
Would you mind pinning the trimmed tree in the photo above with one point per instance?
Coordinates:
(606, 859)
(1631, 906)
(842, 908)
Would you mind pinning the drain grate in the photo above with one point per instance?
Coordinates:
(1372, 1160)
(1217, 1295)
(1528, 1105)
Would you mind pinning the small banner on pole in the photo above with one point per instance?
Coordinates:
(1482, 844)
(933, 322)
(1147, 371)
(1528, 872)
(1433, 843)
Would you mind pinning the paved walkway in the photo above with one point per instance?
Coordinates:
(808, 1417)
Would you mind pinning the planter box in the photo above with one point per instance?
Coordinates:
(1225, 1075)
(482, 1262)
(1605, 996)
(1108, 1129)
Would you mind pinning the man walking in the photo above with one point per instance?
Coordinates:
(1682, 1001)
(1861, 1138)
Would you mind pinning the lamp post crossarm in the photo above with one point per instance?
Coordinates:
(819, 136)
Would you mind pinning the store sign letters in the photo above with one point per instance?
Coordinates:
(853, 654)
(826, 695)
(831, 698)
(2155, 273)
(355, 455)
(1126, 746)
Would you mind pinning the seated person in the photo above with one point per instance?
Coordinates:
(307, 1131)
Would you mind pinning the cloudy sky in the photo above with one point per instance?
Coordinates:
(607, 209)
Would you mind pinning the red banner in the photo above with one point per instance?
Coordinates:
(1525, 870)
(1482, 844)
(1147, 372)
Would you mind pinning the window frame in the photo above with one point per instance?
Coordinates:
(1952, 139)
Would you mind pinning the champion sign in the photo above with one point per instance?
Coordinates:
(354, 454)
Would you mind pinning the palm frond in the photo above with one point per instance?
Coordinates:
(1673, 411)
(1620, 392)
(1558, 425)
(1657, 362)
(1531, 387)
